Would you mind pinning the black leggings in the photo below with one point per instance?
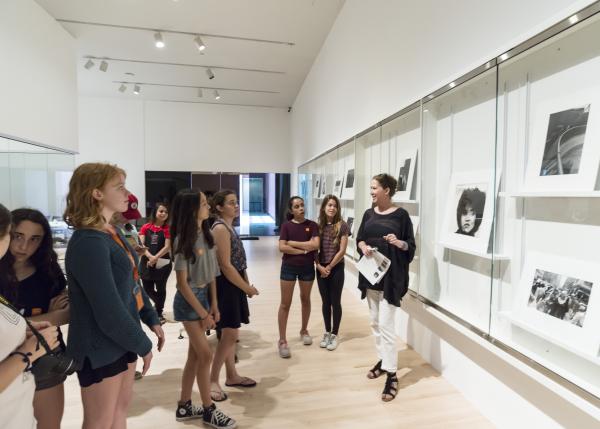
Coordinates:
(159, 294)
(330, 289)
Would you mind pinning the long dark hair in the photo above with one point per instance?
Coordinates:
(155, 210)
(4, 220)
(289, 215)
(337, 219)
(184, 223)
(44, 259)
(476, 199)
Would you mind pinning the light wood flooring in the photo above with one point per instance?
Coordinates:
(314, 389)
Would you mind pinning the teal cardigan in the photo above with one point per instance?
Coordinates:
(104, 322)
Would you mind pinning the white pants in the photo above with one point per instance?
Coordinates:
(383, 325)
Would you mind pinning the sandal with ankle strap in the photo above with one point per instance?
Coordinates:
(376, 371)
(391, 388)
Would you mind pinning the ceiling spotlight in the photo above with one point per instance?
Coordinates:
(158, 40)
(200, 92)
(89, 64)
(199, 43)
(122, 88)
(209, 73)
(573, 19)
(103, 66)
(136, 89)
(217, 96)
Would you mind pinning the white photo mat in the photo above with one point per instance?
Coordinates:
(349, 182)
(338, 184)
(586, 338)
(585, 179)
(406, 161)
(478, 244)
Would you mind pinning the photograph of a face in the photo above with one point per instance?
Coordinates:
(469, 209)
(564, 141)
(563, 297)
(403, 175)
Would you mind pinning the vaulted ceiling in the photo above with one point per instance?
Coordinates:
(259, 51)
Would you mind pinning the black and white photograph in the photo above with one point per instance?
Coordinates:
(470, 206)
(403, 175)
(563, 297)
(350, 222)
(564, 141)
(350, 179)
(337, 186)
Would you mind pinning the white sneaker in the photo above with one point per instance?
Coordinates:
(284, 349)
(306, 339)
(325, 341)
(333, 343)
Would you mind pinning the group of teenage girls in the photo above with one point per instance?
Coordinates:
(105, 303)
(305, 245)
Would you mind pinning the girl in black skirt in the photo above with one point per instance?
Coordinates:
(233, 288)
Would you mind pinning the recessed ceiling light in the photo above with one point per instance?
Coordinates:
(217, 95)
(136, 89)
(89, 64)
(122, 88)
(209, 73)
(103, 66)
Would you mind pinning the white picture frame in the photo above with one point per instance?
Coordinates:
(533, 308)
(556, 129)
(348, 188)
(405, 174)
(469, 233)
(338, 184)
(317, 185)
(323, 187)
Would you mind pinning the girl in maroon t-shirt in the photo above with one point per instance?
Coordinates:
(298, 241)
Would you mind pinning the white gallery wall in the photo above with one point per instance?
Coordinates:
(403, 51)
(152, 135)
(38, 77)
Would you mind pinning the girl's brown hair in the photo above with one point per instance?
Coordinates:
(337, 219)
(83, 210)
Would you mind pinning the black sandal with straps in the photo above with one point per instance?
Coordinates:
(391, 388)
(376, 371)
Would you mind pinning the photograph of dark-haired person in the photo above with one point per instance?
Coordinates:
(469, 211)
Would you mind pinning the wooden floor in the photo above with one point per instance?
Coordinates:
(316, 388)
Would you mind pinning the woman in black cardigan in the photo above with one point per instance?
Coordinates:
(388, 229)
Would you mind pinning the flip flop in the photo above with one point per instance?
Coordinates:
(222, 396)
(246, 382)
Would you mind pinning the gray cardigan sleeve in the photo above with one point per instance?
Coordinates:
(91, 268)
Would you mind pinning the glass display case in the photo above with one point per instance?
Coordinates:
(500, 173)
(37, 177)
(546, 302)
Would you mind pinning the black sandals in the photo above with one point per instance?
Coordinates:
(391, 388)
(376, 371)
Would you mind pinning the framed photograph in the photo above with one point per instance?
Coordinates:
(560, 297)
(323, 188)
(348, 188)
(337, 186)
(406, 173)
(469, 206)
(317, 187)
(350, 222)
(564, 151)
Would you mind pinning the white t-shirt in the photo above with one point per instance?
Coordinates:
(16, 401)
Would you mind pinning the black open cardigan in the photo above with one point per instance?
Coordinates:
(372, 229)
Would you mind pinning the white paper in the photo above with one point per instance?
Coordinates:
(373, 267)
(162, 262)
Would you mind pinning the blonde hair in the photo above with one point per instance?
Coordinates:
(83, 210)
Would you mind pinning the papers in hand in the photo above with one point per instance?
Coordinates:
(373, 267)
(162, 262)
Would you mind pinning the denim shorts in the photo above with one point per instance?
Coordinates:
(304, 273)
(183, 311)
